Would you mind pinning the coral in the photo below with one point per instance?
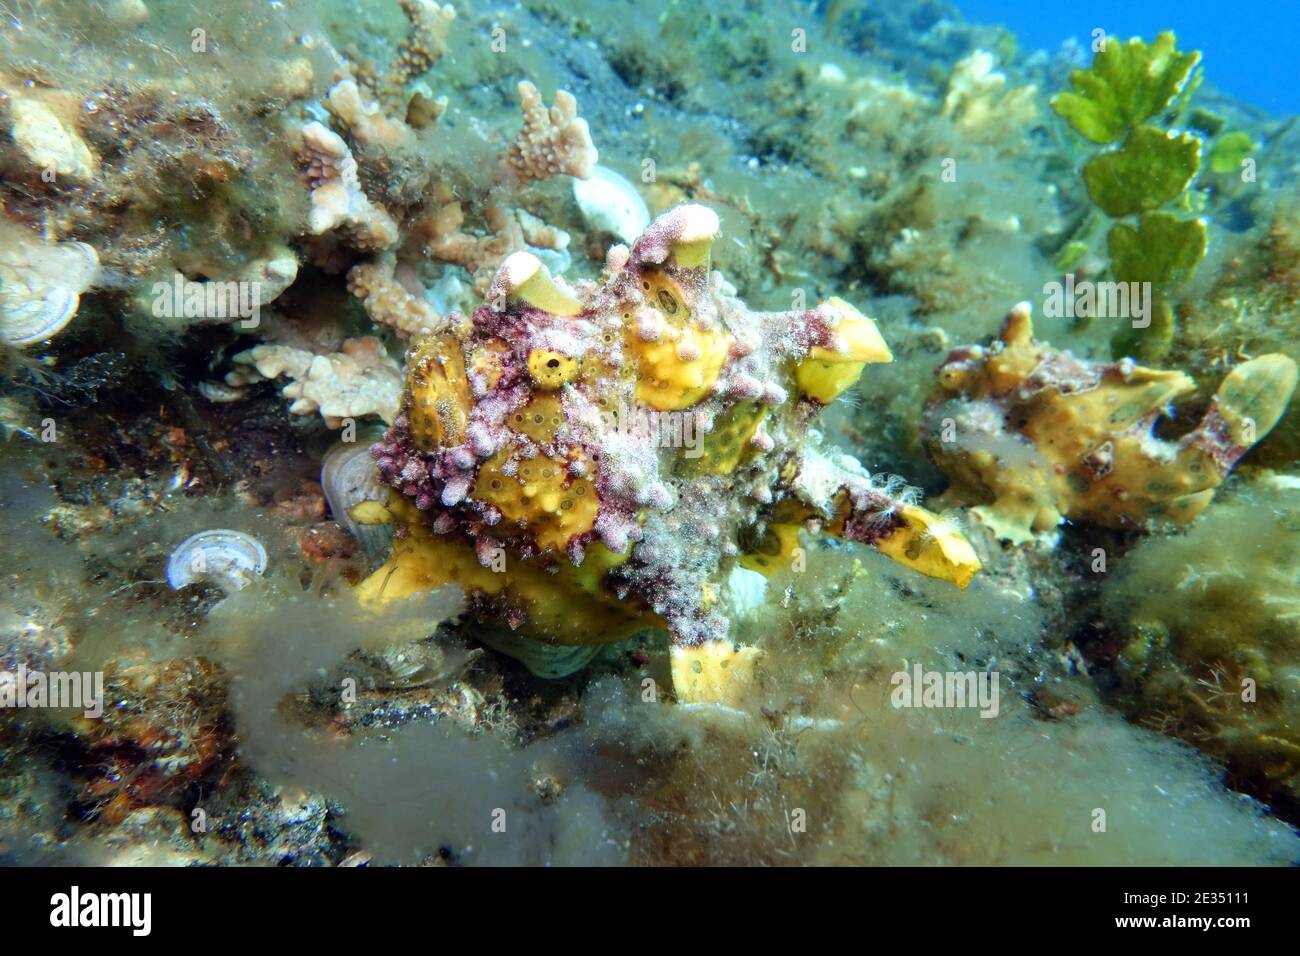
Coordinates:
(1036, 436)
(161, 169)
(510, 230)
(588, 460)
(634, 452)
(387, 302)
(44, 129)
(361, 380)
(424, 45)
(337, 200)
(979, 103)
(552, 142)
(258, 283)
(1207, 625)
(364, 119)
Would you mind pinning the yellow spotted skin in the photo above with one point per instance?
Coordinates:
(540, 498)
(488, 362)
(713, 673)
(539, 419)
(775, 552)
(562, 603)
(437, 402)
(667, 381)
(722, 450)
(550, 369)
(1089, 452)
(555, 394)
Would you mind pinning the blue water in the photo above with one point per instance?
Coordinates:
(1249, 49)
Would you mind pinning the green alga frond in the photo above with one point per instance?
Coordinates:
(1152, 343)
(1162, 250)
(1127, 84)
(1149, 170)
(1229, 150)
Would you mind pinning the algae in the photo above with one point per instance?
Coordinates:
(896, 156)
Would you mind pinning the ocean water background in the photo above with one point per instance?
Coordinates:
(1249, 50)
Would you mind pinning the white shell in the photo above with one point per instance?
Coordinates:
(745, 592)
(610, 203)
(40, 285)
(348, 477)
(229, 558)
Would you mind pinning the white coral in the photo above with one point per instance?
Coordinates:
(45, 132)
(361, 380)
(553, 141)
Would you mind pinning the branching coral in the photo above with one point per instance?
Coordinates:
(552, 142)
(978, 101)
(364, 119)
(443, 239)
(1037, 436)
(424, 45)
(160, 169)
(589, 461)
(45, 131)
(337, 200)
(387, 302)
